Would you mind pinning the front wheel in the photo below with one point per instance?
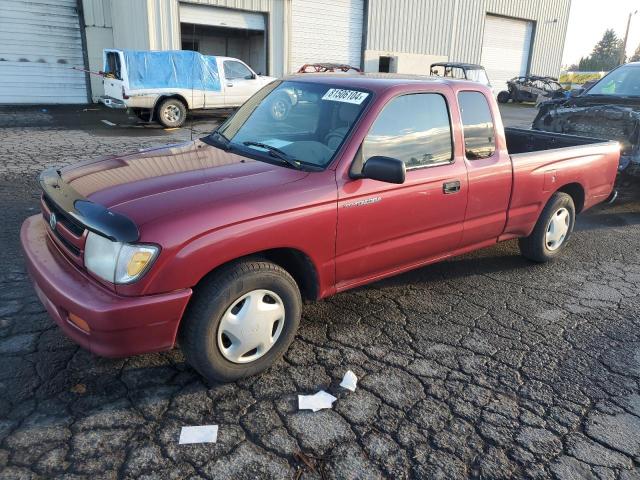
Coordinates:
(552, 231)
(241, 320)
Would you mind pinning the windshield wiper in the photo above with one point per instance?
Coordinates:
(277, 153)
(220, 140)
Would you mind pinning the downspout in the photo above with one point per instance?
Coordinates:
(85, 52)
(365, 32)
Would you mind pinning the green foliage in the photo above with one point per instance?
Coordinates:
(636, 56)
(605, 55)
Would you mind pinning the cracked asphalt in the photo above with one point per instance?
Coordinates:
(484, 366)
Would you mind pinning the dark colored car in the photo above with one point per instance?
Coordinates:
(215, 242)
(610, 108)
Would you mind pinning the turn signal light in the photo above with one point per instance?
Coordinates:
(137, 263)
(78, 322)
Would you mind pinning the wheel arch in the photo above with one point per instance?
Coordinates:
(167, 96)
(576, 192)
(297, 263)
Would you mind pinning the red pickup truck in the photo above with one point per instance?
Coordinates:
(214, 243)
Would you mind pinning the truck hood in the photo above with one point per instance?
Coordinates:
(165, 181)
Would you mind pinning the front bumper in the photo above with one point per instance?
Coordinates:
(118, 326)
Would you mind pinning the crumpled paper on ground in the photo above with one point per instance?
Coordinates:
(199, 434)
(349, 381)
(318, 401)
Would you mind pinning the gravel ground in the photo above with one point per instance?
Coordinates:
(485, 366)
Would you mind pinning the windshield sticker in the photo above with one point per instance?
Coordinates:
(275, 142)
(345, 96)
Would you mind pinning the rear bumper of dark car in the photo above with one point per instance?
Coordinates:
(112, 325)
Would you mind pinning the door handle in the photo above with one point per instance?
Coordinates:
(229, 84)
(451, 187)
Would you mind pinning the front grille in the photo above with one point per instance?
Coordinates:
(69, 234)
(68, 221)
(68, 245)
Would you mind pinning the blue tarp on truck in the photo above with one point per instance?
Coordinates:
(171, 69)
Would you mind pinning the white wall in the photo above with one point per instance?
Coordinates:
(410, 63)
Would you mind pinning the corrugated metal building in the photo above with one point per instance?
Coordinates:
(41, 40)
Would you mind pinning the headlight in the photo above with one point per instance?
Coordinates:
(117, 262)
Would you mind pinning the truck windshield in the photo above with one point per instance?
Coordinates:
(478, 75)
(622, 82)
(306, 122)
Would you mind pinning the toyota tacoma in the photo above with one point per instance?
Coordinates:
(215, 243)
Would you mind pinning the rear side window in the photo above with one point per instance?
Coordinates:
(477, 123)
(413, 128)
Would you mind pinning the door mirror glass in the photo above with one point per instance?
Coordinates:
(384, 169)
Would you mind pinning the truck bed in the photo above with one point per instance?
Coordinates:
(545, 162)
(522, 141)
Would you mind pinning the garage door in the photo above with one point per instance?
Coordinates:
(221, 17)
(505, 49)
(39, 43)
(325, 32)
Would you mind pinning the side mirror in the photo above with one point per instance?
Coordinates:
(384, 169)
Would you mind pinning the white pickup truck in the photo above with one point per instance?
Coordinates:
(163, 86)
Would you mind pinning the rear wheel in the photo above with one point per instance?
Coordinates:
(552, 231)
(241, 320)
(172, 113)
(503, 97)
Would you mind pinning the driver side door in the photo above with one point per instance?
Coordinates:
(385, 228)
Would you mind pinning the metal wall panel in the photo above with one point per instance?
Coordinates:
(130, 21)
(97, 13)
(455, 28)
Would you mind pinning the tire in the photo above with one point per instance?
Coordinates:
(143, 114)
(503, 96)
(171, 113)
(203, 337)
(540, 247)
(280, 108)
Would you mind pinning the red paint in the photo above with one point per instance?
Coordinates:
(205, 207)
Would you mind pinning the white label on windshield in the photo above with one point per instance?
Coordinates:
(346, 96)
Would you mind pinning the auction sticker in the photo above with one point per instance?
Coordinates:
(346, 96)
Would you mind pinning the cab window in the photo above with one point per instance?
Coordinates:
(477, 125)
(236, 70)
(413, 128)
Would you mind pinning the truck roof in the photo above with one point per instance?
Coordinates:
(381, 81)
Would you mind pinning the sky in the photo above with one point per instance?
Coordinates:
(590, 18)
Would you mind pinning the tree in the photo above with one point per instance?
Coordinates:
(605, 54)
(636, 56)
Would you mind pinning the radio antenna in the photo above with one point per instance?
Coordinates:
(193, 65)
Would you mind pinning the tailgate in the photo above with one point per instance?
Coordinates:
(113, 88)
(113, 74)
